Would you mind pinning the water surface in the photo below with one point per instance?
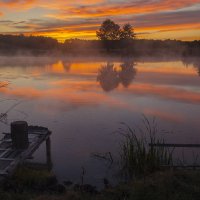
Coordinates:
(83, 102)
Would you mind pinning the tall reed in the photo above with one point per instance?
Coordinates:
(137, 157)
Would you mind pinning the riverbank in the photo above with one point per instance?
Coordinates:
(40, 184)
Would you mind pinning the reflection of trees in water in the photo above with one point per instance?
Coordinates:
(198, 71)
(60, 67)
(109, 78)
(192, 61)
(66, 66)
(197, 66)
(127, 73)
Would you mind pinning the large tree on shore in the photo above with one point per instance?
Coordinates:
(109, 30)
(127, 33)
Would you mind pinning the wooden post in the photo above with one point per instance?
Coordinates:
(48, 153)
(19, 135)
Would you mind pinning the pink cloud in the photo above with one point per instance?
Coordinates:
(21, 4)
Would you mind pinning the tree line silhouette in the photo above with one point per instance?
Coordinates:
(12, 45)
(113, 40)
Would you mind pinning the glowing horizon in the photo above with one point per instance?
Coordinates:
(163, 19)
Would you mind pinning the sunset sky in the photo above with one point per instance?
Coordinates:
(63, 19)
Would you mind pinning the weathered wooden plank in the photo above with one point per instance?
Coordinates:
(5, 152)
(3, 173)
(181, 166)
(6, 133)
(5, 145)
(27, 153)
(10, 158)
(174, 145)
(4, 164)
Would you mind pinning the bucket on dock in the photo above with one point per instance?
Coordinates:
(19, 134)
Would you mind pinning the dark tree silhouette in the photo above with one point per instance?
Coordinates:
(198, 71)
(192, 61)
(127, 73)
(127, 33)
(108, 77)
(197, 66)
(11, 44)
(109, 30)
(115, 42)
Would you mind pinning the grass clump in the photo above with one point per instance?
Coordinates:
(28, 183)
(137, 157)
(162, 185)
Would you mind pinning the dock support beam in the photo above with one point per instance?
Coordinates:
(48, 153)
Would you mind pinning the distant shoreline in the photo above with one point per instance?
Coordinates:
(20, 45)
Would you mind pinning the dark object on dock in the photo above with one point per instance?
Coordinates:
(19, 135)
(14, 152)
(106, 183)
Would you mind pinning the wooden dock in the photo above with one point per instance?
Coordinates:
(173, 146)
(11, 157)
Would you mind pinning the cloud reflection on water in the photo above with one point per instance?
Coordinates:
(65, 95)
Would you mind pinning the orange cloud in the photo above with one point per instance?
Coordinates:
(169, 27)
(116, 9)
(21, 4)
(100, 7)
(76, 31)
(179, 24)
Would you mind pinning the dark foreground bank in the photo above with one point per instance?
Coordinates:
(37, 184)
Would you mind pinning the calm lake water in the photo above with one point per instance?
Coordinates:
(83, 102)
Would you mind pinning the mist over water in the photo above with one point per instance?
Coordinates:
(82, 101)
